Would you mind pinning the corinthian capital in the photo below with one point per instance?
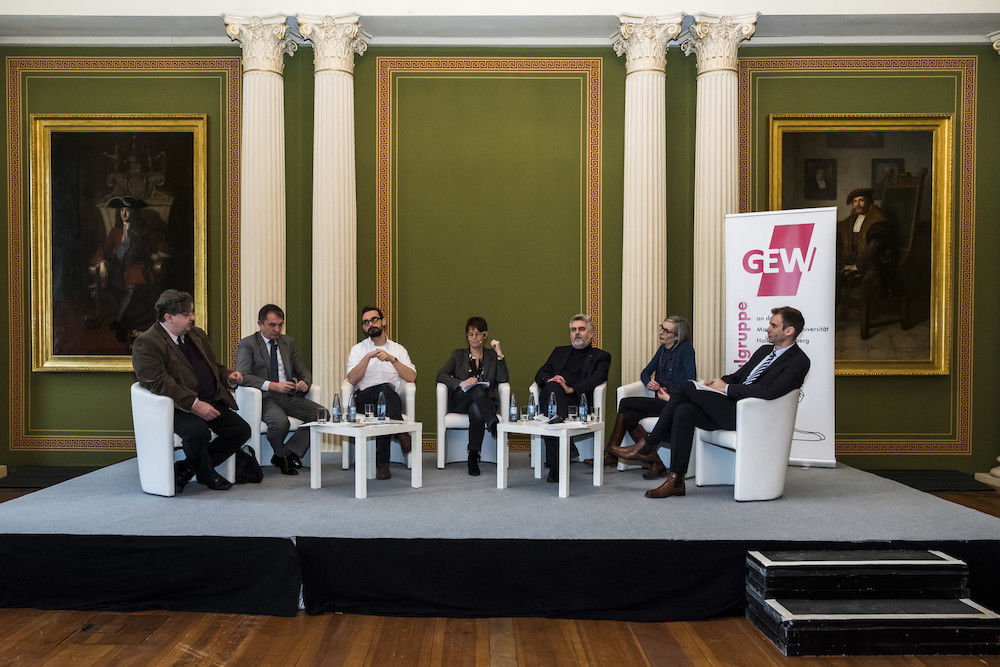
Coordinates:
(716, 39)
(994, 38)
(263, 41)
(644, 40)
(335, 40)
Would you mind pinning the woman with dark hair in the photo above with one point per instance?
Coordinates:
(472, 375)
(672, 365)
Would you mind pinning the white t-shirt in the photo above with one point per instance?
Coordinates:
(379, 372)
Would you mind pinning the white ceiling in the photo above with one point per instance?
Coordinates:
(492, 30)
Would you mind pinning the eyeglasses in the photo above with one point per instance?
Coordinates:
(665, 330)
(372, 320)
(476, 334)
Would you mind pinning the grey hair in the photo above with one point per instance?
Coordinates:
(583, 317)
(682, 327)
(172, 302)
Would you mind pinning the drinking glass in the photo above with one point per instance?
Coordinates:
(574, 414)
(369, 411)
(524, 414)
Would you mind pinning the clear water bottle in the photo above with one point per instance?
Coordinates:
(381, 406)
(512, 412)
(336, 410)
(352, 410)
(553, 411)
(532, 408)
(583, 407)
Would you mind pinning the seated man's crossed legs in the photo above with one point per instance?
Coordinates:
(393, 410)
(562, 409)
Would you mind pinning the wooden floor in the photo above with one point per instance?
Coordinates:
(33, 637)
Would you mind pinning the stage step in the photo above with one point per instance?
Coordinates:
(855, 574)
(877, 627)
(867, 602)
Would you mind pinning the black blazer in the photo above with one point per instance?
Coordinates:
(456, 369)
(595, 369)
(787, 372)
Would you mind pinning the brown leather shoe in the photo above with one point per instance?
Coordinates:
(655, 470)
(382, 471)
(632, 453)
(673, 486)
(610, 459)
(405, 442)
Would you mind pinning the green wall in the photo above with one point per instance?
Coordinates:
(448, 193)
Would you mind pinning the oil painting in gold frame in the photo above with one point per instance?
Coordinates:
(894, 285)
(118, 213)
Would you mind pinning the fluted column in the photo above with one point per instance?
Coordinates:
(994, 38)
(262, 163)
(334, 223)
(643, 41)
(715, 40)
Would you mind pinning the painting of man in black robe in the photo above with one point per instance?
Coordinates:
(122, 231)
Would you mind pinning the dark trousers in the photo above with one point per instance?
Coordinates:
(687, 409)
(562, 409)
(393, 410)
(482, 412)
(275, 411)
(636, 408)
(203, 453)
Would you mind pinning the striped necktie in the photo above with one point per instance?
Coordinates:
(761, 368)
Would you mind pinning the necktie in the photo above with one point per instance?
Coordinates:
(761, 368)
(273, 366)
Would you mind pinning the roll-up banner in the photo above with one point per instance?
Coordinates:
(787, 258)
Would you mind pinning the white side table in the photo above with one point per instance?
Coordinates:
(563, 431)
(364, 435)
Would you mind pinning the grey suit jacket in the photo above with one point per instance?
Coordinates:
(253, 360)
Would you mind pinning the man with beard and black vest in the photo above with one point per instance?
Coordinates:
(571, 371)
(174, 358)
(376, 366)
(773, 371)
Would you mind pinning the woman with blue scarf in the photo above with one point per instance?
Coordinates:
(671, 366)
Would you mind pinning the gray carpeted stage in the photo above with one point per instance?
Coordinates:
(820, 504)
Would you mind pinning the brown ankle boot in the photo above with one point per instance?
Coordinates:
(655, 470)
(638, 433)
(617, 433)
(632, 453)
(405, 442)
(673, 486)
(382, 471)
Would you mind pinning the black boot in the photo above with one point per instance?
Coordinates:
(474, 463)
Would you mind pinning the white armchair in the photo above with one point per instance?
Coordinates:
(451, 444)
(156, 442)
(409, 404)
(635, 389)
(584, 444)
(754, 457)
(249, 403)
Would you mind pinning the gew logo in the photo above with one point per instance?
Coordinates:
(781, 266)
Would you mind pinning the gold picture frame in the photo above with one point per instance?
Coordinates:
(83, 170)
(923, 292)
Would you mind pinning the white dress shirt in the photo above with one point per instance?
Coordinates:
(379, 372)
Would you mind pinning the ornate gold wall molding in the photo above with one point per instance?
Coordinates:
(591, 68)
(17, 153)
(965, 70)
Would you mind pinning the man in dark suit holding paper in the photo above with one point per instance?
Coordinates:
(773, 371)
(571, 371)
(270, 361)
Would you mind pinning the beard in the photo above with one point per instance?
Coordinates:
(578, 343)
(375, 332)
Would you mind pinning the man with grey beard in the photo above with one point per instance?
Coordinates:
(571, 371)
